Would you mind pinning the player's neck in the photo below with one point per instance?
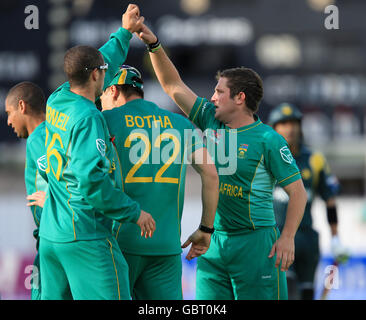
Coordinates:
(133, 97)
(34, 122)
(120, 102)
(241, 120)
(85, 92)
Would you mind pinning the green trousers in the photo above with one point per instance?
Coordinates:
(83, 270)
(237, 267)
(155, 277)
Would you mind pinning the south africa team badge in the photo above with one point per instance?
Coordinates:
(243, 148)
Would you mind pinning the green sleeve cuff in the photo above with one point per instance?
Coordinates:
(122, 33)
(137, 215)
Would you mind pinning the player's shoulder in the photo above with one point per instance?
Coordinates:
(87, 117)
(176, 119)
(269, 134)
(73, 105)
(56, 94)
(111, 113)
(38, 135)
(202, 106)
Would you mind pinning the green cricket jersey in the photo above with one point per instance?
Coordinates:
(318, 180)
(83, 195)
(258, 158)
(35, 166)
(152, 144)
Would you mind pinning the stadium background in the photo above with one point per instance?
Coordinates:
(285, 41)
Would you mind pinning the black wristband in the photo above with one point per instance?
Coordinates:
(332, 215)
(206, 229)
(153, 46)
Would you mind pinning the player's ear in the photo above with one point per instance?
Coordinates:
(115, 92)
(240, 97)
(22, 106)
(94, 75)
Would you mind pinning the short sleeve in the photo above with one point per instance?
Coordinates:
(280, 160)
(193, 139)
(203, 114)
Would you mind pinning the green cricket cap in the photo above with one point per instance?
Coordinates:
(127, 75)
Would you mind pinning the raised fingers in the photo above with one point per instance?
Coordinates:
(133, 8)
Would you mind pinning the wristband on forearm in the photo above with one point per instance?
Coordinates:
(332, 215)
(206, 229)
(152, 47)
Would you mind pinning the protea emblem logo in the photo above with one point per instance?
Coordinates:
(101, 146)
(286, 155)
(41, 162)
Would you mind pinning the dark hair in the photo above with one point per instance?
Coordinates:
(128, 90)
(31, 94)
(244, 80)
(79, 62)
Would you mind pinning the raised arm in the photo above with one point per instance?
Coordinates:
(167, 73)
(115, 50)
(205, 167)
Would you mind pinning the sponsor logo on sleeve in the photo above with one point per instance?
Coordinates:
(41, 163)
(101, 146)
(286, 155)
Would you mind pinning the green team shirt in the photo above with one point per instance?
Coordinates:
(83, 195)
(258, 158)
(35, 167)
(152, 144)
(318, 180)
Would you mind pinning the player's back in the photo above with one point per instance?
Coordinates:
(72, 125)
(152, 144)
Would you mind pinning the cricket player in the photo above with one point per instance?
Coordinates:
(318, 180)
(25, 106)
(79, 257)
(158, 183)
(248, 256)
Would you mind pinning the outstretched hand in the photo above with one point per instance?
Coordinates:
(131, 19)
(200, 243)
